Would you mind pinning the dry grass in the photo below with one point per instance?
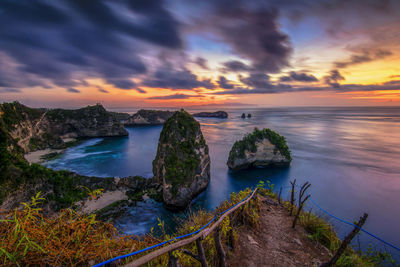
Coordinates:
(69, 238)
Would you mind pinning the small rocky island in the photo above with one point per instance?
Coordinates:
(260, 148)
(148, 117)
(182, 163)
(217, 114)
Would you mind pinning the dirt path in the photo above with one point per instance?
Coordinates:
(275, 243)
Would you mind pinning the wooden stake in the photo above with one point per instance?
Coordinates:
(292, 197)
(346, 241)
(303, 190)
(220, 250)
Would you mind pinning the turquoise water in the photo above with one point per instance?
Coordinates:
(350, 156)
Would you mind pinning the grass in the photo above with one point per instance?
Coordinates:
(27, 237)
(322, 232)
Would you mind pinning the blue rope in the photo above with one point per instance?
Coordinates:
(173, 239)
(352, 224)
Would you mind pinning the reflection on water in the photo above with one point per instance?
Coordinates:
(350, 156)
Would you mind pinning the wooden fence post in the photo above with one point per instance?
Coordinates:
(303, 189)
(346, 242)
(279, 196)
(292, 197)
(173, 261)
(201, 257)
(220, 250)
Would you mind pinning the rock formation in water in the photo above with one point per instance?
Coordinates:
(216, 114)
(182, 163)
(243, 116)
(35, 129)
(249, 115)
(148, 117)
(260, 148)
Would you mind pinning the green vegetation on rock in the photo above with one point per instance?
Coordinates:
(181, 159)
(14, 113)
(249, 143)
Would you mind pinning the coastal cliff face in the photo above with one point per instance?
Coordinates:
(35, 129)
(182, 163)
(216, 114)
(261, 148)
(19, 180)
(148, 117)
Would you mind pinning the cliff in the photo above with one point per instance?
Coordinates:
(260, 148)
(216, 114)
(182, 163)
(35, 129)
(19, 181)
(148, 117)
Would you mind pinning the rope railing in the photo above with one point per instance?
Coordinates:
(205, 230)
(202, 233)
(351, 224)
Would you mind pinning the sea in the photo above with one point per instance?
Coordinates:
(350, 155)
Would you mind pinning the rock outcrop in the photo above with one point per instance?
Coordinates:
(182, 163)
(148, 117)
(35, 129)
(217, 114)
(260, 148)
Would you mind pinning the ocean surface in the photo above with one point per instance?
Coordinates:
(351, 156)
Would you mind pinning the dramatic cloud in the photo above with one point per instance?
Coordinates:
(63, 42)
(167, 77)
(73, 90)
(257, 80)
(101, 90)
(250, 29)
(365, 56)
(10, 90)
(334, 78)
(224, 83)
(298, 77)
(175, 96)
(235, 66)
(202, 62)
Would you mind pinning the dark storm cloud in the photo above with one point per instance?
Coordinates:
(175, 96)
(101, 90)
(365, 56)
(333, 78)
(235, 66)
(168, 77)
(59, 42)
(224, 83)
(298, 77)
(250, 28)
(10, 90)
(202, 62)
(284, 88)
(257, 80)
(73, 90)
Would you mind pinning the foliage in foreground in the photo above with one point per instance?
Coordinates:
(322, 232)
(69, 238)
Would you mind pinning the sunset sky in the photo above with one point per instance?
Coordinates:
(156, 53)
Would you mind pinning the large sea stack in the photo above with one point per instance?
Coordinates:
(261, 148)
(182, 163)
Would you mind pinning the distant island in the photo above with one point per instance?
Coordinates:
(216, 114)
(148, 117)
